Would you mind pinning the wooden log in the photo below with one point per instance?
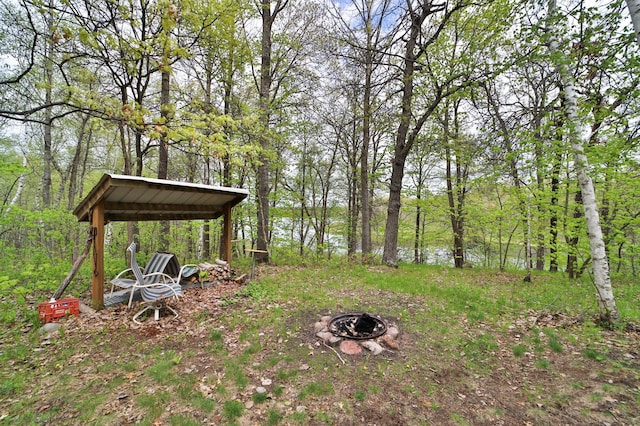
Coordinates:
(76, 265)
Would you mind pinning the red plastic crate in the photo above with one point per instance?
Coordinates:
(53, 311)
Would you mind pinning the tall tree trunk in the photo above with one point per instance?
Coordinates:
(404, 137)
(75, 163)
(303, 199)
(573, 239)
(401, 146)
(512, 162)
(553, 209)
(416, 240)
(634, 12)
(163, 149)
(263, 190)
(364, 161)
(226, 160)
(600, 264)
(48, 112)
(366, 140)
(540, 183)
(207, 179)
(455, 191)
(354, 207)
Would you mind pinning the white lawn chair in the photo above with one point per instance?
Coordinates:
(153, 293)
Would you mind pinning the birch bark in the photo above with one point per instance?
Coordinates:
(602, 279)
(634, 11)
(21, 179)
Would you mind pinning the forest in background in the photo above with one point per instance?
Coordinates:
(339, 117)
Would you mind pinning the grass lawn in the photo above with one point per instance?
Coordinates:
(475, 347)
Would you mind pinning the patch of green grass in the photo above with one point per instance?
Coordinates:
(87, 407)
(235, 371)
(252, 349)
(154, 403)
(299, 418)
(17, 352)
(182, 420)
(273, 417)
(554, 342)
(221, 389)
(11, 385)
(316, 388)
(277, 391)
(202, 316)
(459, 419)
(286, 374)
(323, 417)
(360, 396)
(519, 350)
(163, 370)
(217, 342)
(593, 354)
(542, 363)
(232, 409)
(115, 383)
(480, 349)
(186, 387)
(215, 336)
(555, 345)
(259, 398)
(200, 402)
(131, 366)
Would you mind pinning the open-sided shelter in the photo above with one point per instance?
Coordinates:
(133, 198)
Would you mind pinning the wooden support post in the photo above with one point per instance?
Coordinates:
(253, 259)
(225, 246)
(97, 278)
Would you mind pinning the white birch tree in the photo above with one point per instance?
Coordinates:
(600, 264)
(634, 11)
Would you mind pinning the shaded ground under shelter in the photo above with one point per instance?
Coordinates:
(133, 198)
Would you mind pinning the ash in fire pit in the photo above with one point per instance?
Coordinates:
(357, 326)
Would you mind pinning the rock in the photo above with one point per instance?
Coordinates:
(373, 346)
(85, 309)
(328, 338)
(266, 382)
(350, 347)
(335, 340)
(393, 332)
(389, 341)
(324, 335)
(319, 326)
(248, 405)
(301, 409)
(325, 319)
(261, 389)
(49, 327)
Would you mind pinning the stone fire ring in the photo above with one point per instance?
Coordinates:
(346, 326)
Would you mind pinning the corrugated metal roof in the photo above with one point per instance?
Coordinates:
(131, 198)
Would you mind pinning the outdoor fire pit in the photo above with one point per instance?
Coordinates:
(358, 326)
(353, 332)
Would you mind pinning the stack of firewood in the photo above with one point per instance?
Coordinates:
(217, 271)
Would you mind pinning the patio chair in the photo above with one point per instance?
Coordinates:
(154, 293)
(160, 262)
